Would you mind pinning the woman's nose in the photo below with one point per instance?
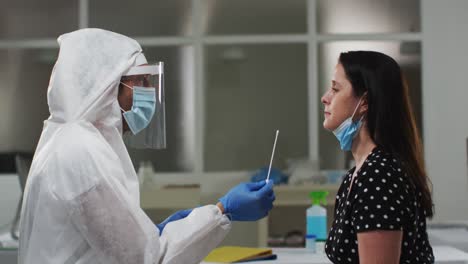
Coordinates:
(324, 98)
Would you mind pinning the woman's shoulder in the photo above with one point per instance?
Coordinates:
(383, 171)
(385, 160)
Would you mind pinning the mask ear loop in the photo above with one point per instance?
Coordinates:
(355, 109)
(357, 106)
(128, 86)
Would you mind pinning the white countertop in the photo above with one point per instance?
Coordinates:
(443, 254)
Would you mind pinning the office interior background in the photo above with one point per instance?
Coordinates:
(236, 71)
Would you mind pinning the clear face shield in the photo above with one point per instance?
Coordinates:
(147, 118)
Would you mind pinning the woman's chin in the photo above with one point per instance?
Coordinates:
(327, 126)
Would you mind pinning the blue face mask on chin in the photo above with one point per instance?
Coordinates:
(347, 131)
(143, 108)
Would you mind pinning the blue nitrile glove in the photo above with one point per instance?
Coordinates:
(174, 217)
(249, 201)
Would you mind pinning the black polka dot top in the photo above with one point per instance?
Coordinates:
(381, 198)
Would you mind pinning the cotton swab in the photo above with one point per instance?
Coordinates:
(272, 155)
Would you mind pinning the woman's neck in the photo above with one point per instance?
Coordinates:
(362, 146)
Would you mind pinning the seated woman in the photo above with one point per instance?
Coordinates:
(383, 202)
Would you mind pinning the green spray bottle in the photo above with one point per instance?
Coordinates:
(317, 215)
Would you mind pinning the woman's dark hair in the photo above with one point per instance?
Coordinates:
(390, 119)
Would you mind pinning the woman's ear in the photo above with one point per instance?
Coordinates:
(364, 105)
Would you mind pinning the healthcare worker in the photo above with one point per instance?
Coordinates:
(81, 202)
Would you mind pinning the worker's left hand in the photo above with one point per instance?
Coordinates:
(249, 201)
(174, 217)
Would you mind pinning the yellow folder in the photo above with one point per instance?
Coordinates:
(237, 254)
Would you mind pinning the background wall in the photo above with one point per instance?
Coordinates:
(25, 73)
(445, 97)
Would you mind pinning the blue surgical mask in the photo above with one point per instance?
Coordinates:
(143, 108)
(347, 131)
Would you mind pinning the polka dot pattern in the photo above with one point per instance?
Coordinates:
(381, 198)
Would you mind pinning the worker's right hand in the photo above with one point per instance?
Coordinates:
(174, 217)
(249, 201)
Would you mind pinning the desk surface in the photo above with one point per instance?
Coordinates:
(443, 254)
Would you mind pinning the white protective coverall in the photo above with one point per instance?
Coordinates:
(81, 202)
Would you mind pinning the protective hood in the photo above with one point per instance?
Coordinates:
(83, 89)
(85, 79)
